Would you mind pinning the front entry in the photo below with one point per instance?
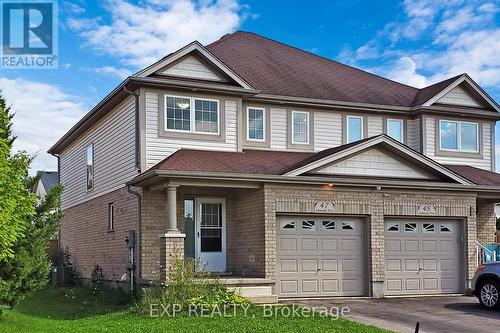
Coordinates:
(211, 233)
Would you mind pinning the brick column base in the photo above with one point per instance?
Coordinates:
(171, 252)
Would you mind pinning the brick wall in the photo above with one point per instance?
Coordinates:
(486, 222)
(84, 230)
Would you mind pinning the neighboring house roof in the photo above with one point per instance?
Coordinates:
(475, 175)
(48, 179)
(267, 162)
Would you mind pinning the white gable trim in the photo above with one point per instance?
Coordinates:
(372, 162)
(194, 46)
(191, 67)
(474, 85)
(371, 143)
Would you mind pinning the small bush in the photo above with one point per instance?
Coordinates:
(188, 286)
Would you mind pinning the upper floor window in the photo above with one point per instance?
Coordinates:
(90, 166)
(354, 128)
(300, 127)
(186, 114)
(459, 136)
(395, 129)
(255, 124)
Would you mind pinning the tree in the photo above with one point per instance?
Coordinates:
(17, 203)
(25, 264)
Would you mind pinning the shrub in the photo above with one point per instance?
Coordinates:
(188, 286)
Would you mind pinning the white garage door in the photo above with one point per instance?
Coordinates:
(423, 257)
(320, 256)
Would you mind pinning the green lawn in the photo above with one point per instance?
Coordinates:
(77, 310)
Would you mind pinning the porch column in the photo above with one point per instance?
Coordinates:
(172, 209)
(172, 241)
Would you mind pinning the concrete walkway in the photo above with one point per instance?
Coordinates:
(436, 314)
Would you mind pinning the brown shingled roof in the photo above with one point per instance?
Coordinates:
(248, 161)
(475, 175)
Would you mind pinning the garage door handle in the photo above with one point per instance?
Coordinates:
(319, 269)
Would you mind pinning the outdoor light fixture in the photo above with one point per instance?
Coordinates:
(183, 105)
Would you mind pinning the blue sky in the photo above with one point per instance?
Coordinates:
(101, 42)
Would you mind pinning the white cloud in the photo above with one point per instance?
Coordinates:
(43, 113)
(120, 73)
(404, 70)
(140, 34)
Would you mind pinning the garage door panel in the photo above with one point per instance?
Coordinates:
(319, 261)
(430, 257)
(393, 245)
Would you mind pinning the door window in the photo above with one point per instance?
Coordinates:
(211, 227)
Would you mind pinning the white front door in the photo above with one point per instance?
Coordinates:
(211, 233)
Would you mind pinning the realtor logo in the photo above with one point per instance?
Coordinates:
(29, 34)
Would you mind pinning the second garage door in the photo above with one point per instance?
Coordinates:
(320, 256)
(423, 257)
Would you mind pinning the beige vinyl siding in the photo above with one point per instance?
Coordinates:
(482, 163)
(327, 130)
(458, 96)
(413, 134)
(113, 138)
(159, 147)
(278, 128)
(192, 68)
(375, 126)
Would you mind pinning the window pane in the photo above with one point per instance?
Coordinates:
(256, 124)
(468, 137)
(90, 166)
(178, 113)
(354, 128)
(449, 139)
(300, 127)
(395, 129)
(206, 116)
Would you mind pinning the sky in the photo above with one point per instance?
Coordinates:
(102, 42)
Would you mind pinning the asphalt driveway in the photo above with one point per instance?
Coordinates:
(435, 314)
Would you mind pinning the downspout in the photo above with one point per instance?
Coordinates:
(137, 258)
(137, 128)
(58, 183)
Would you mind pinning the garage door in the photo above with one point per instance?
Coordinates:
(320, 256)
(423, 257)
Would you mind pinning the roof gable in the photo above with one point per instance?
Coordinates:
(191, 67)
(463, 91)
(194, 49)
(413, 160)
(373, 162)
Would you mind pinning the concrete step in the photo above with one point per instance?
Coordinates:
(270, 299)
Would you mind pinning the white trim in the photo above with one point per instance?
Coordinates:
(375, 141)
(475, 86)
(347, 127)
(263, 123)
(192, 115)
(193, 46)
(459, 136)
(216, 261)
(402, 128)
(307, 128)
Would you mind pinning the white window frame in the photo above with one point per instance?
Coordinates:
(91, 146)
(459, 136)
(307, 128)
(263, 123)
(347, 127)
(192, 114)
(402, 128)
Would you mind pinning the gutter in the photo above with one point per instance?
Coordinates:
(311, 180)
(137, 260)
(137, 139)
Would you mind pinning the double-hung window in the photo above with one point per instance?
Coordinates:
(300, 127)
(395, 129)
(193, 115)
(256, 124)
(459, 136)
(354, 128)
(90, 166)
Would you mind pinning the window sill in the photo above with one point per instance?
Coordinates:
(110, 230)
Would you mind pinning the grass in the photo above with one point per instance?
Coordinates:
(82, 310)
